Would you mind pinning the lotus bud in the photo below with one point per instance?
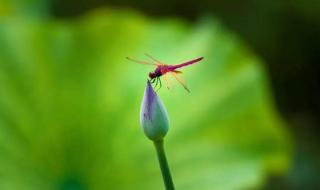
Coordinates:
(153, 115)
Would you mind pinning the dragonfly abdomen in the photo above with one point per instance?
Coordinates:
(173, 67)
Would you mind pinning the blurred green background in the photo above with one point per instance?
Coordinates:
(70, 101)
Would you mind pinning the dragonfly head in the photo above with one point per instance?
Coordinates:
(152, 75)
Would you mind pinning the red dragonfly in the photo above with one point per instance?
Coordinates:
(163, 69)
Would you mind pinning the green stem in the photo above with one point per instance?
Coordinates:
(166, 175)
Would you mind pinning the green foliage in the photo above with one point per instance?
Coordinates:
(70, 101)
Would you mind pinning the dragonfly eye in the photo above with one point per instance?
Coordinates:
(152, 75)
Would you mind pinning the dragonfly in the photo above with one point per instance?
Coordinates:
(163, 69)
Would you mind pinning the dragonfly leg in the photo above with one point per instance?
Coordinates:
(156, 82)
(159, 83)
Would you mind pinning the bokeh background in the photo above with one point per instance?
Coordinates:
(69, 100)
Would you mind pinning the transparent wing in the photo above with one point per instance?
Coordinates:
(180, 80)
(167, 81)
(141, 62)
(155, 60)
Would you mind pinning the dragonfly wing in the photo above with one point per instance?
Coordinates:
(180, 80)
(167, 81)
(141, 62)
(155, 60)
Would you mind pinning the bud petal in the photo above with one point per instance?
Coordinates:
(153, 115)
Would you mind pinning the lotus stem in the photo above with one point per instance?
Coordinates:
(166, 175)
